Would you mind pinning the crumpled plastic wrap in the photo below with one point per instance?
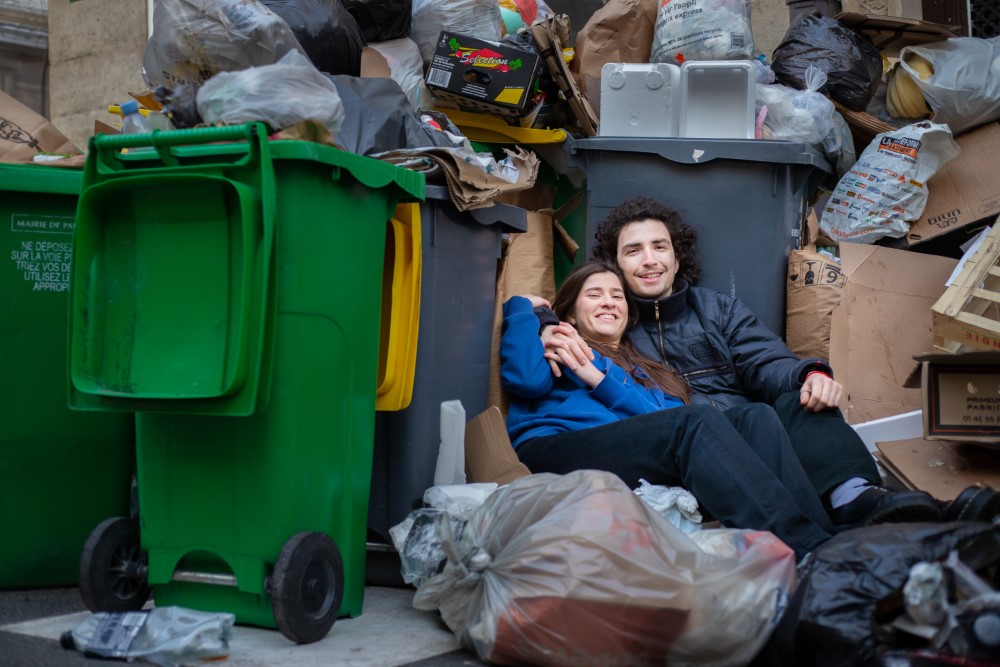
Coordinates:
(193, 40)
(281, 95)
(575, 569)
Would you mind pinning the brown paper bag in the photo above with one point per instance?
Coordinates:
(24, 134)
(814, 286)
(525, 267)
(619, 32)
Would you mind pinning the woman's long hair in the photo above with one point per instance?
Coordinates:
(647, 372)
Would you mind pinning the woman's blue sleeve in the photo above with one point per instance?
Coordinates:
(624, 396)
(524, 371)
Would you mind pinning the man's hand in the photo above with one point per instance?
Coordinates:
(563, 345)
(820, 392)
(537, 301)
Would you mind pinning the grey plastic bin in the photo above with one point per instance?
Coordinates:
(746, 198)
(458, 284)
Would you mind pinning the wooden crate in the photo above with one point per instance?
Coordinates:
(967, 316)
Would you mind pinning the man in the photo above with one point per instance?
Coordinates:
(730, 358)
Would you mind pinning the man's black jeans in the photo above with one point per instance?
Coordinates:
(739, 464)
(828, 448)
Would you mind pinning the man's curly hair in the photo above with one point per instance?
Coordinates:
(683, 237)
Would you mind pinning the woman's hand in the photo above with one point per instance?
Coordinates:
(564, 345)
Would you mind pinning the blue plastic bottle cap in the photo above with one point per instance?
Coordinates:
(130, 106)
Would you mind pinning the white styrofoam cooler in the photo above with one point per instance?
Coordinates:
(717, 99)
(639, 100)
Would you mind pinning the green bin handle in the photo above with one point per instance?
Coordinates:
(107, 146)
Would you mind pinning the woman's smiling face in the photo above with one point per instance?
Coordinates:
(601, 311)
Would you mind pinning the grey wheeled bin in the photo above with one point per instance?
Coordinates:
(459, 256)
(746, 198)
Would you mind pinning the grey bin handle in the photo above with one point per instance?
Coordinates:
(510, 218)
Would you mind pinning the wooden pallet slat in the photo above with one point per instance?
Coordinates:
(967, 314)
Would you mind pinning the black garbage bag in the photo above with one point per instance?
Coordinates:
(382, 20)
(852, 63)
(379, 118)
(326, 30)
(844, 591)
(180, 104)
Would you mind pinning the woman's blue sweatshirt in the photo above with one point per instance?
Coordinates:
(542, 404)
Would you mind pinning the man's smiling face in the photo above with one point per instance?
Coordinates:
(646, 256)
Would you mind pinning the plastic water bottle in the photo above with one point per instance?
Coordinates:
(166, 636)
(133, 122)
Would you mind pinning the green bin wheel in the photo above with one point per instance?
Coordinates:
(113, 567)
(307, 586)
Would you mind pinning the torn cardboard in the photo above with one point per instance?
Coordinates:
(489, 456)
(25, 134)
(942, 469)
(882, 321)
(965, 190)
(550, 35)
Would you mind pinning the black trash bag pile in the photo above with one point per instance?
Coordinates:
(852, 63)
(326, 30)
(850, 591)
(382, 20)
(379, 118)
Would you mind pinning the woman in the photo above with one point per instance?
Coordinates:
(635, 423)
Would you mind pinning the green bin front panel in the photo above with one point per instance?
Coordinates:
(61, 472)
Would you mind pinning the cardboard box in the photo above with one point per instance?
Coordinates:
(882, 321)
(478, 75)
(961, 396)
(489, 456)
(941, 468)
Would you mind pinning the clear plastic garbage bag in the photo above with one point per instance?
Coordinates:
(193, 40)
(575, 570)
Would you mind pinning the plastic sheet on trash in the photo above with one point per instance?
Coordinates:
(281, 95)
(327, 32)
(575, 569)
(165, 636)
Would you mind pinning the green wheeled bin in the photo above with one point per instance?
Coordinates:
(60, 471)
(227, 289)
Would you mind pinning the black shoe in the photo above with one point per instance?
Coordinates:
(976, 503)
(878, 505)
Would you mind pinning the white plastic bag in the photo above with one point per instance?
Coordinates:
(473, 18)
(406, 67)
(576, 570)
(804, 116)
(886, 188)
(702, 30)
(675, 504)
(195, 39)
(281, 95)
(964, 90)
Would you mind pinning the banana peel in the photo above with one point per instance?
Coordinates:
(904, 99)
